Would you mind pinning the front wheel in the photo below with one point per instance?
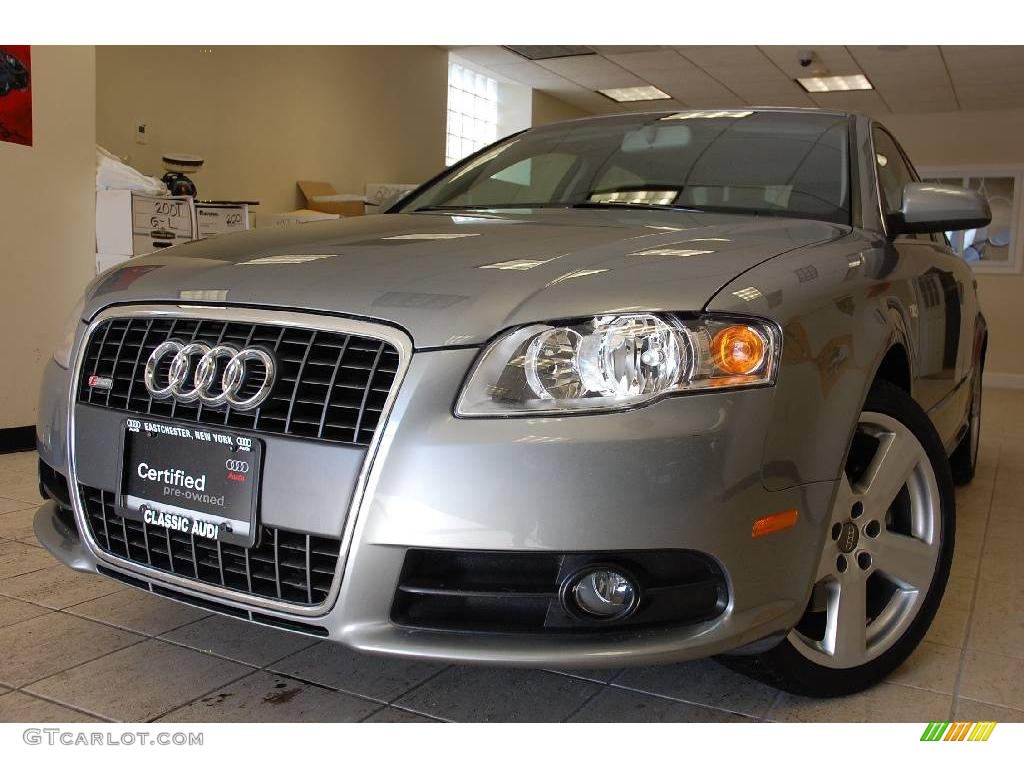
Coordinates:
(885, 560)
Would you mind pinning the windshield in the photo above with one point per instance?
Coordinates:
(768, 163)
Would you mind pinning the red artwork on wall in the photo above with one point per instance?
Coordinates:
(16, 94)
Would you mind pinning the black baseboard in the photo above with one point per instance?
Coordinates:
(14, 439)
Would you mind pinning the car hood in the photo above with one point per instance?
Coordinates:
(458, 279)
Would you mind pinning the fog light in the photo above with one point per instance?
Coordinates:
(605, 593)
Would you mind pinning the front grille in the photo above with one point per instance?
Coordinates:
(508, 592)
(329, 386)
(211, 605)
(284, 565)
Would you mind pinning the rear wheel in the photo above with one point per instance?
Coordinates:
(885, 561)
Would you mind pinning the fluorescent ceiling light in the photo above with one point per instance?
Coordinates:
(636, 93)
(831, 83)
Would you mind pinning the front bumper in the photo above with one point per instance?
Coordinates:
(683, 473)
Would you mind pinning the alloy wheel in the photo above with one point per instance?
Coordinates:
(882, 551)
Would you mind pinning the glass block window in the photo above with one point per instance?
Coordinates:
(472, 112)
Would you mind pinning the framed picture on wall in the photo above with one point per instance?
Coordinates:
(16, 94)
(997, 247)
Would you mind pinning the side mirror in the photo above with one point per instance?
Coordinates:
(931, 207)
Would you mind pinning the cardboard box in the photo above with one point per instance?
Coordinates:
(221, 218)
(293, 217)
(322, 196)
(130, 224)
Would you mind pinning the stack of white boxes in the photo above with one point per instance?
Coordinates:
(221, 218)
(131, 224)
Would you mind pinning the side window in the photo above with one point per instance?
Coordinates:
(893, 171)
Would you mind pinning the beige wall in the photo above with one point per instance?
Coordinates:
(265, 117)
(548, 109)
(47, 214)
(977, 138)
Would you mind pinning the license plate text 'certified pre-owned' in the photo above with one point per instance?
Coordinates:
(191, 479)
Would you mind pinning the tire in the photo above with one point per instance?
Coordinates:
(964, 460)
(907, 541)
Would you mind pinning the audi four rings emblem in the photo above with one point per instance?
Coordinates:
(187, 383)
(236, 465)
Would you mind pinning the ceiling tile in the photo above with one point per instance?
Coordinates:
(592, 72)
(973, 64)
(867, 102)
(748, 73)
(992, 97)
(906, 78)
(678, 77)
(615, 49)
(540, 52)
(986, 77)
(912, 79)
(828, 60)
(513, 67)
(485, 55)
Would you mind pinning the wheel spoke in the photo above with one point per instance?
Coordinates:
(845, 497)
(909, 561)
(847, 618)
(890, 468)
(859, 543)
(826, 567)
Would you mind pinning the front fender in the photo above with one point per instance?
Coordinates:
(841, 307)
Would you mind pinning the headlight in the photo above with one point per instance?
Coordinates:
(616, 361)
(62, 355)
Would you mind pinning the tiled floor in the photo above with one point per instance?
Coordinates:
(75, 647)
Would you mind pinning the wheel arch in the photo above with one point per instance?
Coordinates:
(894, 367)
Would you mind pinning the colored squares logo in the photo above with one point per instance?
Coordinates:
(958, 731)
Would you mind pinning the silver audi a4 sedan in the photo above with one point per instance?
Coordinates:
(624, 390)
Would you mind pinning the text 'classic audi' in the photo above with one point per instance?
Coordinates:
(621, 390)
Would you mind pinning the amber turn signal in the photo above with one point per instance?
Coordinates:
(738, 349)
(780, 521)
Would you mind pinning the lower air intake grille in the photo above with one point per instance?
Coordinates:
(502, 592)
(284, 565)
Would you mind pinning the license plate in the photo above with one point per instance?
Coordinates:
(191, 479)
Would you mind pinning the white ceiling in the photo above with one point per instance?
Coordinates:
(906, 78)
